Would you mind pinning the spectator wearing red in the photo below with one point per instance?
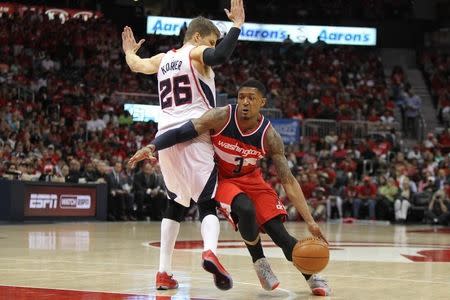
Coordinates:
(340, 152)
(348, 193)
(307, 185)
(366, 197)
(348, 165)
(373, 116)
(328, 100)
(314, 110)
(444, 141)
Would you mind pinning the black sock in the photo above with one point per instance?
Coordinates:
(277, 232)
(256, 251)
(306, 276)
(244, 209)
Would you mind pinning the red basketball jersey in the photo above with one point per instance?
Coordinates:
(237, 153)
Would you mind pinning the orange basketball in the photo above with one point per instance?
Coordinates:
(310, 255)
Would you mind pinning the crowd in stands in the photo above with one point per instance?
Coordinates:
(407, 101)
(436, 68)
(323, 11)
(376, 178)
(72, 130)
(313, 81)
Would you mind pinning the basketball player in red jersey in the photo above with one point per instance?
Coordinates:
(241, 136)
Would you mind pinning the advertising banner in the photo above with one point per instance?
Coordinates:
(335, 35)
(289, 129)
(143, 112)
(59, 201)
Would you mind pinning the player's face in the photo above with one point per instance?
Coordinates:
(250, 102)
(209, 40)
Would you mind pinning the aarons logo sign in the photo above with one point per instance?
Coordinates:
(337, 35)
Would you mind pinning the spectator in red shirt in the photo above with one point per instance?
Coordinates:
(367, 193)
(340, 154)
(348, 194)
(314, 110)
(307, 185)
(348, 165)
(328, 99)
(444, 141)
(373, 116)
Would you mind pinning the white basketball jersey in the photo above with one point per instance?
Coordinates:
(184, 94)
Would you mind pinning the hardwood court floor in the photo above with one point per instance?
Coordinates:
(119, 261)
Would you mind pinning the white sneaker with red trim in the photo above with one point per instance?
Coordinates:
(319, 285)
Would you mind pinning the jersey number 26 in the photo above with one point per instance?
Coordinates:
(179, 87)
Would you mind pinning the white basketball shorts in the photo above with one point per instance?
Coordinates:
(189, 170)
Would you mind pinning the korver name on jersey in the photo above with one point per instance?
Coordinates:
(242, 151)
(171, 66)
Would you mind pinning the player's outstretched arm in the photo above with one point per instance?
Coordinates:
(137, 64)
(213, 120)
(291, 186)
(219, 55)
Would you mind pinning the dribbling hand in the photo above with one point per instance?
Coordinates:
(142, 154)
(128, 41)
(236, 14)
(315, 231)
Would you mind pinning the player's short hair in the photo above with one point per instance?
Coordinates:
(253, 83)
(201, 25)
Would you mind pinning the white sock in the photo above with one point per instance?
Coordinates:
(169, 233)
(210, 233)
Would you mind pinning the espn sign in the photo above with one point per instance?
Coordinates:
(43, 201)
(60, 200)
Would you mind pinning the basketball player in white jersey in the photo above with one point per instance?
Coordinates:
(187, 90)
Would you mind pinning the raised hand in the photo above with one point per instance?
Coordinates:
(236, 14)
(128, 41)
(142, 154)
(315, 231)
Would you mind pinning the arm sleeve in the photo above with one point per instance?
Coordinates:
(223, 51)
(178, 135)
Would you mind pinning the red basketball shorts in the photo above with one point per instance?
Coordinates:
(266, 201)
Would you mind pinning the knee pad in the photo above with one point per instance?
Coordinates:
(243, 207)
(175, 211)
(207, 208)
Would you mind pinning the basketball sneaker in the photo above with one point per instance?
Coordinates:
(165, 282)
(319, 285)
(267, 278)
(211, 264)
